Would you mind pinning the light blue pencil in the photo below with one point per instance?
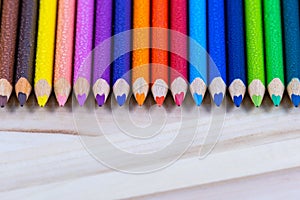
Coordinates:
(197, 50)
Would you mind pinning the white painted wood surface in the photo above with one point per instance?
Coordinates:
(257, 155)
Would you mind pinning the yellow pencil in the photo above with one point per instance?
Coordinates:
(45, 51)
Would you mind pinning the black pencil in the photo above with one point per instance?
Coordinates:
(26, 49)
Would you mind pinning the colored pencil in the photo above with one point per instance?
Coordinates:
(236, 50)
(8, 36)
(64, 50)
(0, 8)
(255, 50)
(121, 65)
(216, 50)
(159, 54)
(178, 72)
(274, 49)
(45, 51)
(83, 48)
(103, 30)
(26, 50)
(141, 57)
(292, 48)
(197, 55)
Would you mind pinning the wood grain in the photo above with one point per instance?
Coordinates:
(258, 148)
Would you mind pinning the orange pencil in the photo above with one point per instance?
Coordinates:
(140, 56)
(159, 56)
(64, 50)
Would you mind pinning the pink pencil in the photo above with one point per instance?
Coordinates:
(64, 50)
(178, 73)
(83, 48)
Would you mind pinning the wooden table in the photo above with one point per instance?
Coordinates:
(256, 156)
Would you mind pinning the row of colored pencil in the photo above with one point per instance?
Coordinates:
(249, 42)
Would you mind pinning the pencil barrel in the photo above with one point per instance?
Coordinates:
(291, 38)
(254, 40)
(27, 40)
(273, 40)
(64, 40)
(103, 30)
(122, 23)
(236, 41)
(8, 36)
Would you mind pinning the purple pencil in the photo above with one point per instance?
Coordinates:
(102, 53)
(83, 48)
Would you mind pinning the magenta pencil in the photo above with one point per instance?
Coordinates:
(83, 48)
(101, 72)
(179, 65)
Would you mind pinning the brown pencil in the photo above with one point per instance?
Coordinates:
(8, 34)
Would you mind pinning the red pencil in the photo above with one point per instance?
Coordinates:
(178, 73)
(159, 58)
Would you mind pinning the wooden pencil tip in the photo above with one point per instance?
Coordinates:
(237, 90)
(256, 91)
(62, 89)
(23, 89)
(22, 98)
(198, 88)
(159, 91)
(276, 90)
(121, 90)
(3, 101)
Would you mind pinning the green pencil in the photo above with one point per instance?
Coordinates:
(255, 50)
(274, 50)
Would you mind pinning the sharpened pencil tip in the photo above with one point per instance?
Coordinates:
(22, 98)
(121, 99)
(100, 99)
(179, 98)
(295, 99)
(218, 98)
(140, 98)
(198, 98)
(42, 100)
(61, 99)
(276, 100)
(257, 100)
(3, 101)
(159, 101)
(81, 99)
(237, 100)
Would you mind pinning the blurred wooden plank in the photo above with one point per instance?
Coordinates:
(276, 185)
(254, 142)
(57, 165)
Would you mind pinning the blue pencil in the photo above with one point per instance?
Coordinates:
(236, 50)
(292, 48)
(121, 65)
(197, 50)
(217, 51)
